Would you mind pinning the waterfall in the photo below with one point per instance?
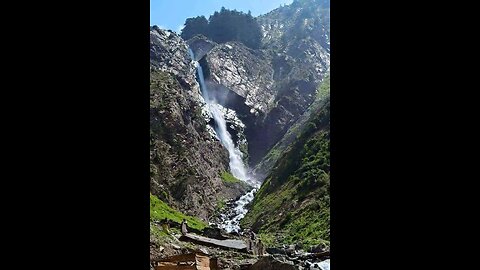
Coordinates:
(237, 166)
(230, 222)
(236, 162)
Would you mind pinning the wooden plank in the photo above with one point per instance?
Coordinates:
(201, 257)
(203, 263)
(176, 263)
(180, 258)
(167, 263)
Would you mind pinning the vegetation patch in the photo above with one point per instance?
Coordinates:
(268, 239)
(309, 228)
(221, 204)
(229, 178)
(324, 89)
(159, 234)
(159, 211)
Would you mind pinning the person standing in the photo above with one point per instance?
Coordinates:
(253, 244)
(184, 227)
(260, 248)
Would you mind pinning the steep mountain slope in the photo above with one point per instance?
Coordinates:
(186, 159)
(293, 204)
(271, 87)
(268, 161)
(302, 19)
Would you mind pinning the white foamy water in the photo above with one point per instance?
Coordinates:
(230, 222)
(233, 224)
(237, 166)
(324, 265)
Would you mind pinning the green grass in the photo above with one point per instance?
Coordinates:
(324, 88)
(221, 204)
(308, 225)
(158, 232)
(229, 178)
(309, 228)
(159, 210)
(268, 239)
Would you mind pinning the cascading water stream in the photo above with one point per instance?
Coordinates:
(236, 162)
(237, 166)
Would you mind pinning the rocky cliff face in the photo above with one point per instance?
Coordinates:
(270, 88)
(246, 72)
(186, 159)
(303, 19)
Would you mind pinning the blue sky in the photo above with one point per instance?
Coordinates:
(171, 14)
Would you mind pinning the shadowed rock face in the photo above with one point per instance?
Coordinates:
(186, 160)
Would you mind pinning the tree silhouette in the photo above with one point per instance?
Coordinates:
(226, 25)
(194, 26)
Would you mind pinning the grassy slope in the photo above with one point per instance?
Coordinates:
(293, 204)
(229, 178)
(160, 210)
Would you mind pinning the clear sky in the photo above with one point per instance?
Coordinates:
(171, 14)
